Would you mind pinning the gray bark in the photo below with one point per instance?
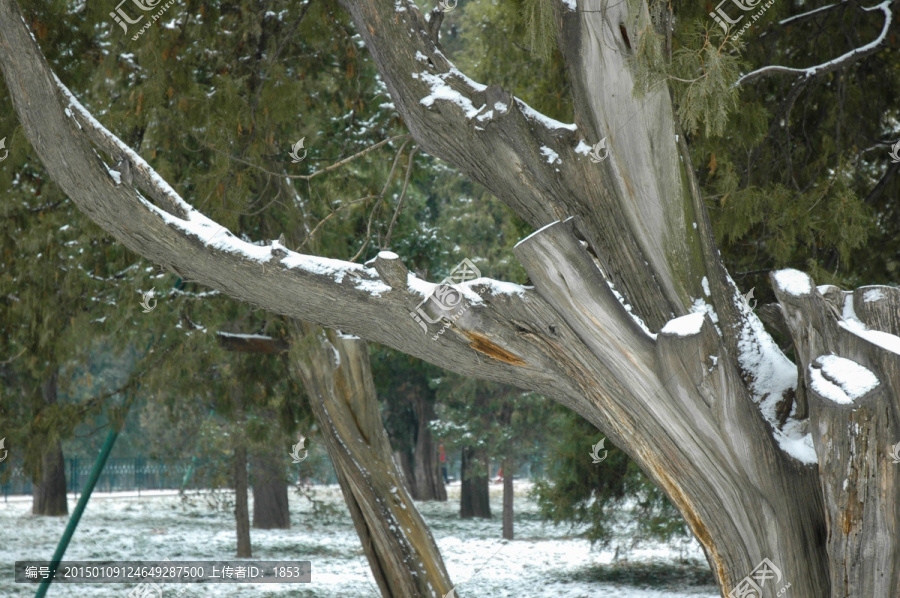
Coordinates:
(401, 458)
(684, 406)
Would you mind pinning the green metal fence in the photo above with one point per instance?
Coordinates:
(119, 475)
(135, 474)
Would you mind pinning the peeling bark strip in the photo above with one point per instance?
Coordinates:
(402, 553)
(633, 321)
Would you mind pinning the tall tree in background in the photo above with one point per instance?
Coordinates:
(633, 320)
(489, 423)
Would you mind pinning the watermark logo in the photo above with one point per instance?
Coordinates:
(5, 452)
(123, 19)
(747, 299)
(447, 6)
(595, 452)
(146, 590)
(300, 446)
(447, 298)
(599, 153)
(294, 153)
(724, 21)
(895, 452)
(752, 585)
(3, 147)
(145, 303)
(895, 151)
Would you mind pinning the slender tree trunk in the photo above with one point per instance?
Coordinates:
(508, 499)
(474, 498)
(270, 492)
(49, 493)
(241, 512)
(429, 483)
(336, 375)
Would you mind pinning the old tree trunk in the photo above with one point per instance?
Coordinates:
(691, 397)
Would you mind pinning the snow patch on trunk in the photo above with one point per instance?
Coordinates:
(793, 282)
(852, 323)
(773, 376)
(871, 295)
(551, 156)
(685, 325)
(840, 380)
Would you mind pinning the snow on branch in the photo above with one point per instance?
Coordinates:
(805, 15)
(834, 64)
(483, 342)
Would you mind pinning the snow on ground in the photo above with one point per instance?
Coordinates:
(543, 560)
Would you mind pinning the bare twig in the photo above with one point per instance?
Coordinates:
(387, 184)
(387, 238)
(306, 177)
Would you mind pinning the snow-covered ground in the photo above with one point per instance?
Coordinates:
(543, 560)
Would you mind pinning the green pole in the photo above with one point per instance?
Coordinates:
(187, 474)
(79, 509)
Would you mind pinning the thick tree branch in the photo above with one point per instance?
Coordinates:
(484, 342)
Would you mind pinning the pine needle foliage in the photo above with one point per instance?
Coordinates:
(540, 22)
